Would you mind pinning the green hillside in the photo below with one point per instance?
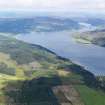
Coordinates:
(33, 75)
(96, 37)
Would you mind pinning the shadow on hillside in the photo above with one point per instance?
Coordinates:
(33, 92)
(88, 78)
(39, 91)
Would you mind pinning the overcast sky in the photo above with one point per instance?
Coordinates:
(53, 5)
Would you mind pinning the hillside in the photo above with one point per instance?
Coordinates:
(96, 37)
(37, 24)
(33, 75)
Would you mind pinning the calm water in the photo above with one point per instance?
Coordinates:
(90, 56)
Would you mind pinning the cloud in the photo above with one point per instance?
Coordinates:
(53, 5)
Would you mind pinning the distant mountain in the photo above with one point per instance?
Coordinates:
(38, 24)
(93, 21)
(96, 21)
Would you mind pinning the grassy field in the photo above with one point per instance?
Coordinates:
(82, 39)
(91, 96)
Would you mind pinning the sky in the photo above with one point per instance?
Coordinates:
(53, 5)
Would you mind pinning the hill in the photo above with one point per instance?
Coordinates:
(96, 37)
(33, 75)
(37, 24)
